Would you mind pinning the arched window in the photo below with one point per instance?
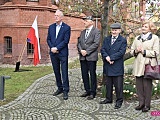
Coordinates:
(7, 45)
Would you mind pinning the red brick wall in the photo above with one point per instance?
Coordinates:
(45, 2)
(2, 2)
(16, 22)
(19, 1)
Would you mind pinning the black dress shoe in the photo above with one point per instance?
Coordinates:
(85, 94)
(65, 95)
(105, 102)
(57, 92)
(91, 97)
(145, 109)
(139, 107)
(117, 106)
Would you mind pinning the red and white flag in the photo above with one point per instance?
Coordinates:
(33, 38)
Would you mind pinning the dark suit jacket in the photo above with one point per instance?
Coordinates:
(90, 44)
(115, 52)
(62, 40)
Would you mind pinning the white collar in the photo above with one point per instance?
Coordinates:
(115, 37)
(145, 36)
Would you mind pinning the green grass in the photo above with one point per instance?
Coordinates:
(20, 81)
(129, 61)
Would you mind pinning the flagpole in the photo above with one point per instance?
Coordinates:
(20, 58)
(22, 52)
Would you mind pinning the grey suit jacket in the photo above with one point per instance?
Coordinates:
(91, 44)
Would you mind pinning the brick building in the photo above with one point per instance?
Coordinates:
(16, 19)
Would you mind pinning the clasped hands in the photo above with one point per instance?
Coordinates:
(139, 49)
(109, 60)
(83, 52)
(54, 50)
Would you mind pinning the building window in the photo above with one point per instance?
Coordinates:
(30, 49)
(32, 0)
(7, 45)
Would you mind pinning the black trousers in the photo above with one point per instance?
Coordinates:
(88, 70)
(117, 81)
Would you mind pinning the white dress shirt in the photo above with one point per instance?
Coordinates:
(58, 28)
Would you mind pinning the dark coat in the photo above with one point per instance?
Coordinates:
(116, 53)
(62, 40)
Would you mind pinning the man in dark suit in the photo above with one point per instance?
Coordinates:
(113, 49)
(58, 39)
(87, 45)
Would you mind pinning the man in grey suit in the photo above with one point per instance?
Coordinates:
(87, 45)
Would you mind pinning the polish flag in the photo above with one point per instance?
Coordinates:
(33, 38)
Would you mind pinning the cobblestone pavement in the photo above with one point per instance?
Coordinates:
(38, 103)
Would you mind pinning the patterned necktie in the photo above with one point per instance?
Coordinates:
(113, 40)
(86, 34)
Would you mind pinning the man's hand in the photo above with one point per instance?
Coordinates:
(54, 50)
(83, 52)
(109, 60)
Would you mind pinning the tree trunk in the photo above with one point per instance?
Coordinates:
(104, 30)
(104, 19)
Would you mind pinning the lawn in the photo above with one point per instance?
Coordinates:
(20, 81)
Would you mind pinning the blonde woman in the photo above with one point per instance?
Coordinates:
(143, 49)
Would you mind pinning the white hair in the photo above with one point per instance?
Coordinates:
(59, 11)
